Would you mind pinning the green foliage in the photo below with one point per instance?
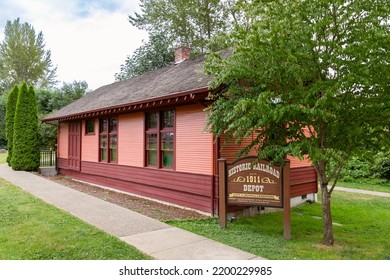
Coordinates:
(382, 165)
(314, 73)
(307, 78)
(192, 23)
(23, 57)
(72, 91)
(356, 169)
(9, 118)
(154, 54)
(373, 167)
(198, 24)
(47, 135)
(25, 155)
(49, 100)
(3, 105)
(52, 100)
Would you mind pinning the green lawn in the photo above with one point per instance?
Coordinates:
(362, 231)
(31, 229)
(3, 157)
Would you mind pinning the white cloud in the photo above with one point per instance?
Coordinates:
(89, 40)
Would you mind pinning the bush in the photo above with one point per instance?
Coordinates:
(9, 120)
(381, 167)
(356, 169)
(25, 155)
(373, 167)
(3, 104)
(47, 135)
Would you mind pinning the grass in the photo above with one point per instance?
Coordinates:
(3, 157)
(362, 231)
(366, 186)
(31, 229)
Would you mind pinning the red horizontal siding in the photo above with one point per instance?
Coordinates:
(229, 149)
(194, 146)
(185, 189)
(303, 180)
(131, 139)
(62, 163)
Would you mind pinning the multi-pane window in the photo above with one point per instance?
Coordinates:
(108, 139)
(160, 128)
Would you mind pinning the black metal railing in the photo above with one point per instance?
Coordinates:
(48, 157)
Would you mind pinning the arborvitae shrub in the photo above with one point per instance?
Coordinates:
(9, 120)
(26, 154)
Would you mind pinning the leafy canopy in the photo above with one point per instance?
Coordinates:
(307, 78)
(192, 23)
(198, 24)
(23, 57)
(313, 75)
(154, 54)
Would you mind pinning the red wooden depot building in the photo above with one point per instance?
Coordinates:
(146, 136)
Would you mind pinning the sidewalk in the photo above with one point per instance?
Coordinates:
(383, 194)
(152, 237)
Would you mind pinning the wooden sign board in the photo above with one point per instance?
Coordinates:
(250, 182)
(255, 183)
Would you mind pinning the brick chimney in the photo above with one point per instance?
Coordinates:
(182, 53)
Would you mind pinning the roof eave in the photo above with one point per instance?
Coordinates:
(171, 99)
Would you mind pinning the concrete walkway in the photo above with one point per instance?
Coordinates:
(383, 194)
(152, 237)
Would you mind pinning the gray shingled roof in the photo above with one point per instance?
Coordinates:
(172, 79)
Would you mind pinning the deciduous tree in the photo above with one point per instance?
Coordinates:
(307, 78)
(198, 24)
(192, 23)
(49, 100)
(154, 54)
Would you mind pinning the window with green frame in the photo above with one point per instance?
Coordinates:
(160, 138)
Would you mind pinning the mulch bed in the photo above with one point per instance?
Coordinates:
(143, 206)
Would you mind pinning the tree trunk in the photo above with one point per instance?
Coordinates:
(327, 217)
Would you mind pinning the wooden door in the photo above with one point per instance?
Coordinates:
(74, 145)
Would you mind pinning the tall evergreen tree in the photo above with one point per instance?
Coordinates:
(23, 57)
(9, 118)
(25, 155)
(3, 105)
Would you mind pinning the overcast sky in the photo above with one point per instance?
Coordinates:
(88, 39)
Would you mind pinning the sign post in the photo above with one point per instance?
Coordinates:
(250, 182)
(222, 192)
(286, 201)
